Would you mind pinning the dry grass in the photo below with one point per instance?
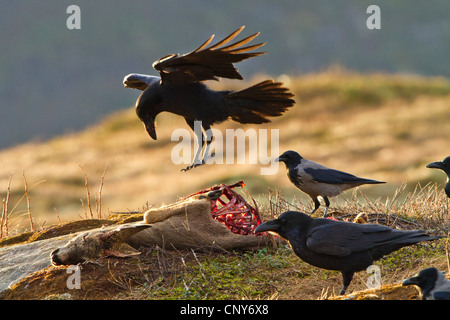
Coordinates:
(377, 126)
(270, 273)
(425, 208)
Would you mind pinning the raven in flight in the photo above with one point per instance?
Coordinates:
(335, 245)
(180, 90)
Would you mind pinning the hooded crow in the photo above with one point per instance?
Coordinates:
(445, 166)
(317, 180)
(432, 284)
(180, 90)
(335, 245)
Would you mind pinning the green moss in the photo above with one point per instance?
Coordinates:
(229, 276)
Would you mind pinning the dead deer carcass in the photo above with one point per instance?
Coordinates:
(97, 243)
(216, 217)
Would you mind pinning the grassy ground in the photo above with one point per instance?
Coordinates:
(269, 273)
(265, 274)
(376, 126)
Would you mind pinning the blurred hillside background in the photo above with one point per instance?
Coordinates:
(371, 102)
(54, 80)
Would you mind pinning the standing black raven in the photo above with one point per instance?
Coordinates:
(180, 90)
(317, 180)
(336, 245)
(432, 283)
(445, 166)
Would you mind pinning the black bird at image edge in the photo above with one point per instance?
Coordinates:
(444, 165)
(180, 90)
(343, 246)
(432, 283)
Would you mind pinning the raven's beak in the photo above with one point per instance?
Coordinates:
(272, 225)
(130, 84)
(125, 81)
(436, 165)
(280, 159)
(150, 127)
(411, 281)
(128, 81)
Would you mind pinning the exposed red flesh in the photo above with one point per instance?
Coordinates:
(232, 210)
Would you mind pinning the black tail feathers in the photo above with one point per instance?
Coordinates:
(256, 103)
(399, 239)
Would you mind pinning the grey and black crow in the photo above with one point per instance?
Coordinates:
(444, 165)
(335, 245)
(180, 90)
(432, 284)
(317, 180)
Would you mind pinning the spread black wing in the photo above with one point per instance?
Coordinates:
(207, 63)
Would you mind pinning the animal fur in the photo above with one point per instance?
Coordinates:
(97, 243)
(189, 224)
(183, 225)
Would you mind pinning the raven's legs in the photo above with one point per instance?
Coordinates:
(317, 205)
(327, 205)
(209, 139)
(201, 142)
(198, 152)
(347, 277)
